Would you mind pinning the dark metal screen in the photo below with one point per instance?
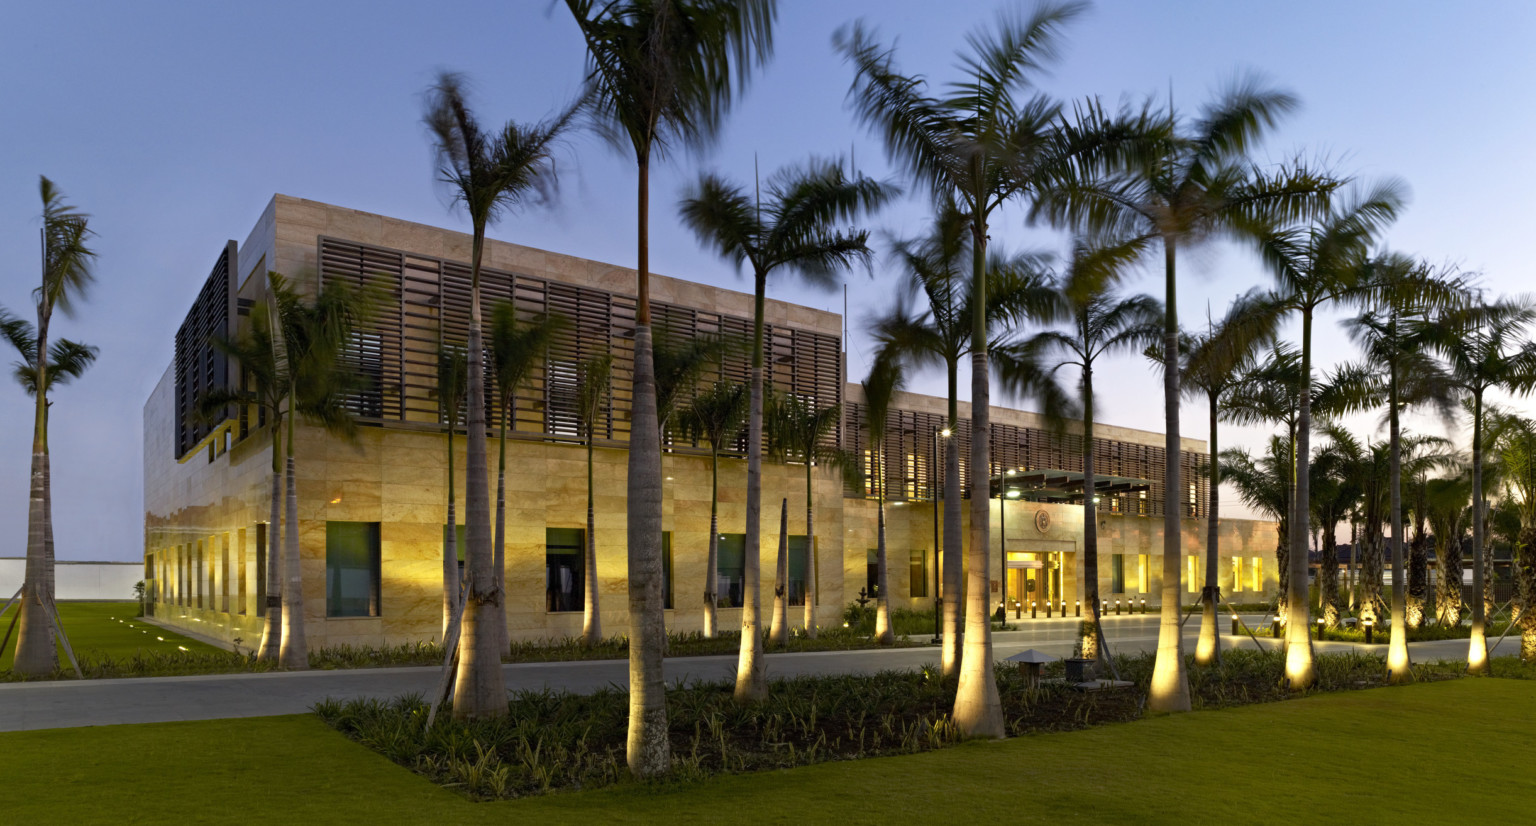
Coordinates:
(200, 366)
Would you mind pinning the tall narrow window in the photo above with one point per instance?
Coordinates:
(261, 568)
(351, 569)
(730, 570)
(564, 569)
(799, 569)
(872, 573)
(919, 573)
(1117, 573)
(666, 570)
(224, 573)
(1237, 574)
(1192, 577)
(1144, 573)
(460, 541)
(1258, 573)
(240, 586)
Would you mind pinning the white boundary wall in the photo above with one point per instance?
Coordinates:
(76, 580)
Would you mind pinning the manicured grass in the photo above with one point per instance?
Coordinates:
(1284, 762)
(106, 629)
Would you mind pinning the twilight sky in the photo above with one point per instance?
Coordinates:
(174, 123)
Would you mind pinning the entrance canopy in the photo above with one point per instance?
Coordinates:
(1048, 485)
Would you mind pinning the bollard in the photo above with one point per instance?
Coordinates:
(1235, 629)
(1034, 612)
(1143, 605)
(1320, 622)
(1117, 607)
(1368, 629)
(1048, 606)
(1077, 612)
(1274, 628)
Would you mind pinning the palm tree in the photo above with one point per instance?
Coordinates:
(1516, 451)
(979, 146)
(593, 397)
(1481, 352)
(659, 73)
(793, 228)
(937, 269)
(716, 415)
(1335, 493)
(66, 276)
(1213, 362)
(880, 388)
(516, 349)
(1195, 184)
(1393, 331)
(452, 387)
(1447, 501)
(489, 173)
(1102, 324)
(1315, 264)
(1263, 482)
(257, 349)
(803, 433)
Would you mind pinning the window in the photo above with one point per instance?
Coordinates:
(1258, 573)
(261, 568)
(562, 391)
(240, 585)
(919, 573)
(564, 569)
(1117, 573)
(730, 570)
(1144, 573)
(872, 576)
(1237, 574)
(460, 542)
(799, 569)
(666, 570)
(1192, 579)
(351, 569)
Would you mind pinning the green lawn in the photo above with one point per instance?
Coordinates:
(105, 628)
(1287, 762)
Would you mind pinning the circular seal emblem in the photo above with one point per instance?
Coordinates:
(1042, 521)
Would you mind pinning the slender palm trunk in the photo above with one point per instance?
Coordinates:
(648, 752)
(480, 691)
(778, 628)
(883, 632)
(272, 629)
(1169, 690)
(1354, 559)
(1299, 671)
(810, 545)
(751, 672)
(453, 584)
(591, 619)
(1208, 647)
(1283, 545)
(712, 561)
(1399, 668)
(294, 652)
(978, 709)
(1418, 566)
(1477, 648)
(1088, 629)
(1525, 593)
(1328, 575)
(36, 652)
(954, 562)
(499, 549)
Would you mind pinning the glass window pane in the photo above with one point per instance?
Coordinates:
(666, 569)
(352, 569)
(919, 573)
(564, 556)
(799, 569)
(731, 570)
(1117, 573)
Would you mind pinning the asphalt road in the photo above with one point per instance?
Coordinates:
(71, 703)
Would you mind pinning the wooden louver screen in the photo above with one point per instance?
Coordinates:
(199, 366)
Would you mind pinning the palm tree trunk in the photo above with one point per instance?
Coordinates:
(778, 628)
(954, 561)
(883, 633)
(751, 675)
(591, 620)
(1088, 629)
(1208, 647)
(1399, 668)
(1354, 559)
(810, 548)
(648, 752)
(1477, 647)
(294, 652)
(1283, 545)
(712, 561)
(499, 549)
(36, 653)
(1328, 576)
(1525, 572)
(1299, 670)
(1169, 690)
(272, 629)
(1418, 569)
(978, 709)
(453, 584)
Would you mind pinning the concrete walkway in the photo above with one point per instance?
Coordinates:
(71, 703)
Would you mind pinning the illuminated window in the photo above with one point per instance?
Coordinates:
(564, 569)
(351, 569)
(918, 562)
(1258, 573)
(1192, 576)
(730, 571)
(1144, 573)
(1117, 573)
(1237, 573)
(799, 569)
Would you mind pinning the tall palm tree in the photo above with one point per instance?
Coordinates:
(1449, 512)
(1262, 482)
(489, 173)
(938, 331)
(516, 349)
(1516, 451)
(660, 74)
(804, 431)
(716, 416)
(452, 388)
(1481, 347)
(1196, 183)
(1102, 324)
(980, 146)
(793, 227)
(1213, 362)
(1314, 264)
(880, 388)
(592, 398)
(1399, 294)
(1335, 492)
(258, 351)
(66, 277)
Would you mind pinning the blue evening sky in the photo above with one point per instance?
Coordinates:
(174, 123)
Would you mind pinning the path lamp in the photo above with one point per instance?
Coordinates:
(1076, 611)
(1117, 607)
(1369, 627)
(1235, 629)
(1274, 628)
(1143, 605)
(1320, 622)
(1034, 609)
